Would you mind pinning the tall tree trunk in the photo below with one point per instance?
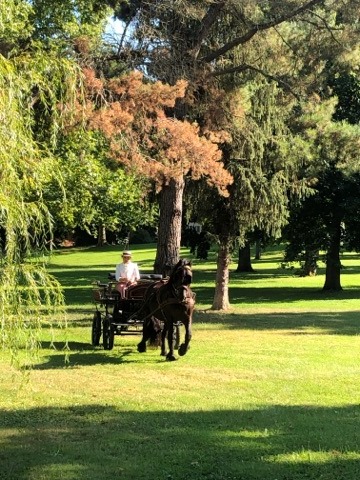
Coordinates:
(244, 261)
(169, 231)
(333, 264)
(221, 296)
(101, 241)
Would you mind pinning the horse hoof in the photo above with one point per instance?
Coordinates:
(170, 358)
(141, 348)
(182, 349)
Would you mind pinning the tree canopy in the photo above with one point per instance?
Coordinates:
(99, 196)
(326, 221)
(220, 47)
(38, 74)
(27, 77)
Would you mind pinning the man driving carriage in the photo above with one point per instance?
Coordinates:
(126, 273)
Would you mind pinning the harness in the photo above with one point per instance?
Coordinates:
(188, 300)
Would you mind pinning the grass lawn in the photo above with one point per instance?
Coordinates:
(268, 391)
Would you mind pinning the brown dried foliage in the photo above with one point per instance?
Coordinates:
(132, 115)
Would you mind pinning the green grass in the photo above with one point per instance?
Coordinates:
(269, 390)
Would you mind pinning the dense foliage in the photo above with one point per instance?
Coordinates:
(99, 196)
(327, 220)
(38, 74)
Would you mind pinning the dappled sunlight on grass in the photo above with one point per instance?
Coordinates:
(258, 443)
(268, 389)
(312, 456)
(268, 287)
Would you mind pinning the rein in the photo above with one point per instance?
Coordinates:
(188, 301)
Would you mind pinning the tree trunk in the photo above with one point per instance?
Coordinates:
(244, 262)
(101, 241)
(258, 250)
(221, 296)
(333, 264)
(169, 231)
(310, 265)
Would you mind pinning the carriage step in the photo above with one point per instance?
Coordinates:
(122, 325)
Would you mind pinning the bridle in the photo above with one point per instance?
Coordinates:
(185, 279)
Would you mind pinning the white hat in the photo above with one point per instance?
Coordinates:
(126, 253)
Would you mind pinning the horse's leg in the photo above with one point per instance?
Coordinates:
(176, 336)
(146, 334)
(184, 347)
(163, 340)
(144, 313)
(170, 336)
(141, 346)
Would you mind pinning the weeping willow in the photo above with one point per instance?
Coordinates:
(29, 295)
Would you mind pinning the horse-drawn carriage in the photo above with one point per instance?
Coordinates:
(117, 316)
(155, 307)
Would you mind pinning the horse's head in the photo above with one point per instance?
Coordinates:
(181, 274)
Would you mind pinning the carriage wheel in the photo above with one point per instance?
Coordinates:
(108, 335)
(96, 329)
(111, 338)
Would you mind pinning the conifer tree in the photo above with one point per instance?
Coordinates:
(327, 219)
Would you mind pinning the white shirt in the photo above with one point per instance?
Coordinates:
(128, 270)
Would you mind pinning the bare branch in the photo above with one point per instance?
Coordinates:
(121, 43)
(257, 28)
(328, 28)
(241, 68)
(285, 41)
(207, 22)
(227, 71)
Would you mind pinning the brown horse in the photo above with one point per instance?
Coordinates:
(167, 304)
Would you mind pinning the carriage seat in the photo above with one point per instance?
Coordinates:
(136, 291)
(143, 276)
(150, 276)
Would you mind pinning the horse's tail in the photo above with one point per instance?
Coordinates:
(153, 329)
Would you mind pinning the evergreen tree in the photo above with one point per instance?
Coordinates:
(327, 219)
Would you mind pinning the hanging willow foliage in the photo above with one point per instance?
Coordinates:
(28, 293)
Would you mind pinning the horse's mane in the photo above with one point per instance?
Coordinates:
(182, 264)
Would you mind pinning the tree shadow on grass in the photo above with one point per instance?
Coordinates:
(77, 284)
(328, 323)
(90, 442)
(280, 295)
(304, 323)
(71, 345)
(288, 295)
(76, 354)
